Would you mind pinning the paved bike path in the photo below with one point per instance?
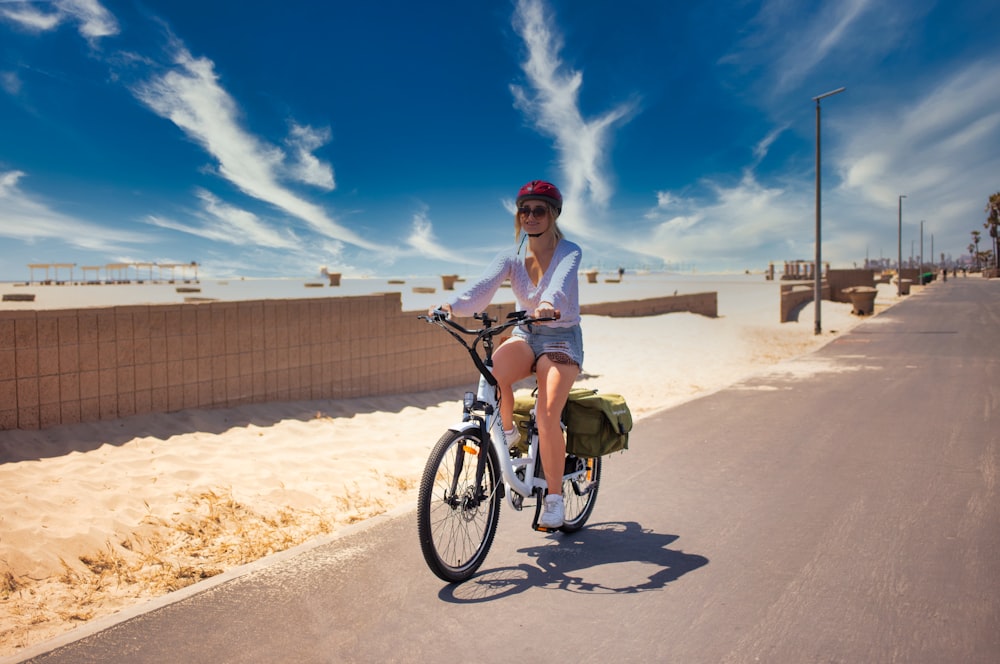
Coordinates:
(842, 507)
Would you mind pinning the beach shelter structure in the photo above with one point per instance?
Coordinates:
(143, 266)
(96, 269)
(184, 270)
(46, 266)
(117, 272)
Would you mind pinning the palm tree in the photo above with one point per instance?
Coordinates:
(992, 222)
(975, 240)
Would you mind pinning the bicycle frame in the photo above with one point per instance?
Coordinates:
(487, 422)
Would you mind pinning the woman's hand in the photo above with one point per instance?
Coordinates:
(441, 307)
(546, 310)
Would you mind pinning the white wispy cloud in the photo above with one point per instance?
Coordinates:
(732, 222)
(423, 241)
(190, 96)
(932, 138)
(10, 82)
(30, 219)
(788, 42)
(305, 166)
(92, 20)
(953, 127)
(247, 246)
(764, 145)
(31, 18)
(551, 103)
(830, 29)
(223, 222)
(939, 149)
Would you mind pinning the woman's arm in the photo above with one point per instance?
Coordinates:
(562, 291)
(479, 295)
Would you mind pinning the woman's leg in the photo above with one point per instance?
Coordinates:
(554, 383)
(512, 362)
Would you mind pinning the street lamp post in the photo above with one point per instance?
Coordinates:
(818, 272)
(921, 251)
(899, 250)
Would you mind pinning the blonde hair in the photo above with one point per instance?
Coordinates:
(553, 213)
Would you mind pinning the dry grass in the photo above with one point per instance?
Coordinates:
(212, 532)
(8, 585)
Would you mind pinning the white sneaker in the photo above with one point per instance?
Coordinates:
(512, 438)
(553, 514)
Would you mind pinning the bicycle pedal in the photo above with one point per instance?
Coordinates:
(541, 529)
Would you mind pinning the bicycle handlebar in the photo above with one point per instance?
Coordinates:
(515, 318)
(485, 334)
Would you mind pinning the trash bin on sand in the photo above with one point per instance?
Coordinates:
(592, 276)
(863, 299)
(904, 286)
(333, 276)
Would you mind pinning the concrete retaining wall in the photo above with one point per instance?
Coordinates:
(794, 296)
(79, 365)
(842, 279)
(706, 304)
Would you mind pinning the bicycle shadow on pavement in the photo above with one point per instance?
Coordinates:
(610, 557)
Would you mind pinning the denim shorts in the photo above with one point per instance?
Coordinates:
(543, 340)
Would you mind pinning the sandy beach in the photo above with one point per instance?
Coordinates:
(101, 516)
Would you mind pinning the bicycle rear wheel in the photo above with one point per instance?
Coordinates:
(580, 483)
(456, 515)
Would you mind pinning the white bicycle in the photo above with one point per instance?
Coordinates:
(470, 469)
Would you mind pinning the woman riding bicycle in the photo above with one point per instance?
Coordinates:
(545, 283)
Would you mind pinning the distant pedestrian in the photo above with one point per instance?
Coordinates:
(621, 273)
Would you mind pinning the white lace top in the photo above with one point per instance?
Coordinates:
(559, 285)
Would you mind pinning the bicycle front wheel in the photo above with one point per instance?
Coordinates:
(457, 514)
(579, 488)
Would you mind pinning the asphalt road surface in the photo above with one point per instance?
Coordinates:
(841, 508)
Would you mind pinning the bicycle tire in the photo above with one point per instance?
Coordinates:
(456, 527)
(580, 495)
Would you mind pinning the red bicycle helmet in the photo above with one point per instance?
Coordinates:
(540, 190)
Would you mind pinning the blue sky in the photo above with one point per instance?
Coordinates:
(389, 138)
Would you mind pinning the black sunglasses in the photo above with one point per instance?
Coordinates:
(537, 212)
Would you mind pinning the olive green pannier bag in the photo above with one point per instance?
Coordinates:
(596, 424)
